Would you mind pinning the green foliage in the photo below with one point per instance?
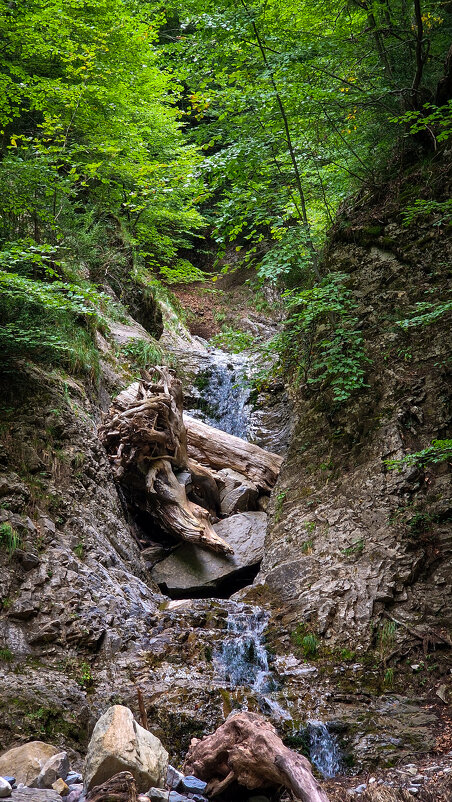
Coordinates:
(143, 353)
(441, 211)
(338, 360)
(6, 654)
(233, 340)
(426, 313)
(85, 676)
(183, 272)
(437, 452)
(9, 538)
(386, 639)
(93, 170)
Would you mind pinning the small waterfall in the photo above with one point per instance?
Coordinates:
(243, 656)
(243, 662)
(324, 750)
(221, 393)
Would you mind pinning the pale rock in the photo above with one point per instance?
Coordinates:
(56, 767)
(35, 795)
(119, 744)
(239, 494)
(26, 762)
(60, 787)
(158, 795)
(5, 788)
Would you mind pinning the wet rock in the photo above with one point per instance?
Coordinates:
(75, 794)
(27, 761)
(119, 744)
(176, 797)
(191, 568)
(56, 767)
(174, 778)
(73, 777)
(5, 788)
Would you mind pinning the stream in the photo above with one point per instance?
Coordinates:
(220, 395)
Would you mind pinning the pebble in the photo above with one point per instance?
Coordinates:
(360, 788)
(413, 790)
(5, 788)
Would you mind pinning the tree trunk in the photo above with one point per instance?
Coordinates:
(218, 449)
(248, 750)
(145, 437)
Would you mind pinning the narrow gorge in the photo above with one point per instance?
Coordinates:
(225, 401)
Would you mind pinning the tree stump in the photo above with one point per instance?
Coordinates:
(119, 788)
(248, 750)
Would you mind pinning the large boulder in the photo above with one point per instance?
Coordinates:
(26, 762)
(55, 768)
(119, 744)
(190, 569)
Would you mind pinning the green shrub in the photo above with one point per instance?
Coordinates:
(9, 538)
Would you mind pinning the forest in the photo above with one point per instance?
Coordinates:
(140, 144)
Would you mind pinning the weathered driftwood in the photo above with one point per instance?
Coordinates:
(217, 449)
(145, 437)
(246, 749)
(176, 513)
(119, 788)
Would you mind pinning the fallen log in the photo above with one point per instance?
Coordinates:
(217, 449)
(247, 749)
(176, 514)
(146, 440)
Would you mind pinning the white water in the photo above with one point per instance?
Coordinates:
(243, 662)
(223, 401)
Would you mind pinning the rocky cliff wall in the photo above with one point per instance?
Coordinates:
(350, 540)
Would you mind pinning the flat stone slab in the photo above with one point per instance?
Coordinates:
(191, 568)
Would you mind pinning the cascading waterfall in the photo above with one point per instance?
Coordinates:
(324, 749)
(242, 661)
(223, 393)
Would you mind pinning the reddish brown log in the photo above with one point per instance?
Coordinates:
(119, 788)
(248, 750)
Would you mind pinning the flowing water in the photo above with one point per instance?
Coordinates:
(220, 396)
(242, 661)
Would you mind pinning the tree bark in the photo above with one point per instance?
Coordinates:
(120, 788)
(218, 449)
(248, 750)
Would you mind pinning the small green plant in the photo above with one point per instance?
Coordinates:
(6, 654)
(9, 538)
(347, 655)
(310, 526)
(310, 645)
(386, 639)
(438, 451)
(79, 549)
(143, 352)
(389, 677)
(280, 499)
(305, 641)
(355, 549)
(85, 677)
(306, 547)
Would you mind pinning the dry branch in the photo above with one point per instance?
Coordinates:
(246, 749)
